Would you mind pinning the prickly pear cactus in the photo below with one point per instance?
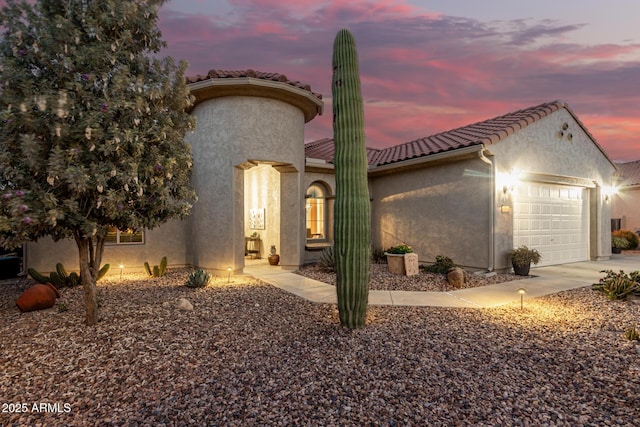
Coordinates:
(352, 227)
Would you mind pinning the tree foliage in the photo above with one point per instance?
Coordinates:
(92, 124)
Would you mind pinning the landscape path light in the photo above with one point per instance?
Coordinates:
(229, 274)
(121, 268)
(521, 291)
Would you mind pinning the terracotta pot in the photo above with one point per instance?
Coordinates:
(274, 259)
(38, 297)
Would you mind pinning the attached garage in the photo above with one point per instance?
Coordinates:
(533, 177)
(554, 219)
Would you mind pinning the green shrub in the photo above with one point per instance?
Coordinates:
(442, 265)
(198, 279)
(378, 256)
(402, 248)
(631, 237)
(523, 256)
(327, 259)
(618, 286)
(620, 242)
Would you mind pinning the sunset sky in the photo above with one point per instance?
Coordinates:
(430, 66)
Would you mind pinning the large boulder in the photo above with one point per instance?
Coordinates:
(457, 277)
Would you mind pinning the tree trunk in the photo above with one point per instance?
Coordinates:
(88, 278)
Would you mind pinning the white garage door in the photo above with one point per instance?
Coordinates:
(554, 219)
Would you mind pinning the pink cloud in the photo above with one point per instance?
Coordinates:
(421, 72)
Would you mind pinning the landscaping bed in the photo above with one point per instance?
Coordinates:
(383, 280)
(251, 354)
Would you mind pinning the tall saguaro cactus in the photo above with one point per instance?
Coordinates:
(352, 227)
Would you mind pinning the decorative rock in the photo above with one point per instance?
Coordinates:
(411, 264)
(184, 304)
(456, 277)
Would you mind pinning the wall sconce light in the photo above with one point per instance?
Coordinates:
(504, 199)
(522, 291)
(609, 192)
(121, 268)
(229, 274)
(509, 182)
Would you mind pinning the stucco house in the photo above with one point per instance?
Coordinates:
(625, 211)
(533, 177)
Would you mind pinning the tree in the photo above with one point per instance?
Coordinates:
(92, 126)
(352, 228)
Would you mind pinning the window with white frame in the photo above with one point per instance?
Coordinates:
(124, 237)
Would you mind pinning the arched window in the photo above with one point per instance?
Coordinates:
(316, 207)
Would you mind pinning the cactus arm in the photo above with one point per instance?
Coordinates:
(73, 279)
(352, 226)
(103, 271)
(147, 268)
(38, 277)
(56, 280)
(61, 271)
(163, 266)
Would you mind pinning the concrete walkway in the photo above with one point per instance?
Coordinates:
(549, 280)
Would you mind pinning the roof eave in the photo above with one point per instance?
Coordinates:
(429, 158)
(308, 103)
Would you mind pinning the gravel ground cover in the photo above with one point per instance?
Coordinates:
(250, 354)
(383, 280)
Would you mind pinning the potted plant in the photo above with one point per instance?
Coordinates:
(274, 258)
(618, 244)
(397, 259)
(522, 258)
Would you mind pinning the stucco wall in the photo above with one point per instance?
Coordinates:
(439, 210)
(626, 206)
(231, 131)
(540, 149)
(167, 240)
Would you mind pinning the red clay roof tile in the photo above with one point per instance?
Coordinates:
(486, 132)
(223, 74)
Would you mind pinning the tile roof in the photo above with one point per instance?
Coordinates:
(323, 149)
(486, 132)
(222, 74)
(629, 173)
